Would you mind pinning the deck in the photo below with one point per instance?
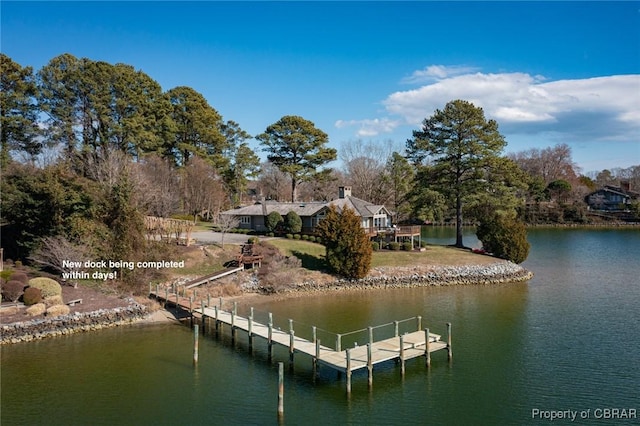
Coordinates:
(401, 346)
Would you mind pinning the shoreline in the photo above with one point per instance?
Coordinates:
(378, 278)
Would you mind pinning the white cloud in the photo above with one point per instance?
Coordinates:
(371, 127)
(578, 110)
(437, 72)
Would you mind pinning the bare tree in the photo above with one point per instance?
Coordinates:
(364, 167)
(53, 251)
(273, 184)
(201, 186)
(159, 186)
(227, 222)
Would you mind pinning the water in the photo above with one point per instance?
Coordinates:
(566, 340)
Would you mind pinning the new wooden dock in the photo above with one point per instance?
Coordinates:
(400, 346)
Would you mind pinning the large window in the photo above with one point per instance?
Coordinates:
(245, 220)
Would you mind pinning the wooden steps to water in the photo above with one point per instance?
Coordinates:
(400, 347)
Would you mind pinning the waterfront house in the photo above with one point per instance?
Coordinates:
(373, 217)
(611, 198)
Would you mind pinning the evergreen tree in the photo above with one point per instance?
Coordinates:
(198, 128)
(272, 221)
(504, 236)
(293, 222)
(297, 148)
(348, 250)
(18, 110)
(463, 148)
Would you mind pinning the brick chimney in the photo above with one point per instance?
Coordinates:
(625, 185)
(344, 191)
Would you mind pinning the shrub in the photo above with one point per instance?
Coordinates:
(319, 240)
(53, 300)
(348, 250)
(296, 236)
(312, 238)
(504, 237)
(253, 240)
(32, 296)
(20, 276)
(375, 246)
(273, 220)
(289, 236)
(57, 310)
(394, 246)
(37, 309)
(48, 286)
(12, 290)
(270, 234)
(292, 222)
(407, 246)
(305, 237)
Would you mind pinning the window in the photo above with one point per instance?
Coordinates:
(245, 220)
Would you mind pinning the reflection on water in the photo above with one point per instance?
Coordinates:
(568, 339)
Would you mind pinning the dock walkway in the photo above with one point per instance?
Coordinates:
(400, 347)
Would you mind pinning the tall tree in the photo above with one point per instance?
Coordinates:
(273, 183)
(463, 147)
(197, 129)
(297, 148)
(364, 167)
(243, 162)
(62, 101)
(398, 177)
(18, 110)
(201, 187)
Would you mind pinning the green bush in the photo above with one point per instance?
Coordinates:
(32, 295)
(348, 249)
(296, 236)
(504, 237)
(273, 220)
(305, 237)
(293, 222)
(289, 236)
(12, 290)
(312, 238)
(394, 246)
(319, 240)
(253, 240)
(407, 246)
(48, 286)
(375, 246)
(270, 234)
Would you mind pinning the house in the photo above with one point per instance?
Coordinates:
(612, 198)
(373, 217)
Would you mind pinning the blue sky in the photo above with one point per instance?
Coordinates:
(548, 72)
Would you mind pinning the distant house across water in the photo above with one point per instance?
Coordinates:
(612, 198)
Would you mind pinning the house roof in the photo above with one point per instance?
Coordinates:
(263, 208)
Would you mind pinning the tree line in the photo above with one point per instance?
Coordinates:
(88, 148)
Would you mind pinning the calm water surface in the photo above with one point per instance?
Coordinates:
(566, 340)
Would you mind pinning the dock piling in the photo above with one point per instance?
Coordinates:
(291, 348)
(369, 365)
(449, 350)
(402, 355)
(195, 344)
(280, 390)
(427, 352)
(348, 371)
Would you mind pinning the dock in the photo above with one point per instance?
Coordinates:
(396, 341)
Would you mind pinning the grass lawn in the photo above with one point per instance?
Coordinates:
(312, 255)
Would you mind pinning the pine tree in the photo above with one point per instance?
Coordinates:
(348, 250)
